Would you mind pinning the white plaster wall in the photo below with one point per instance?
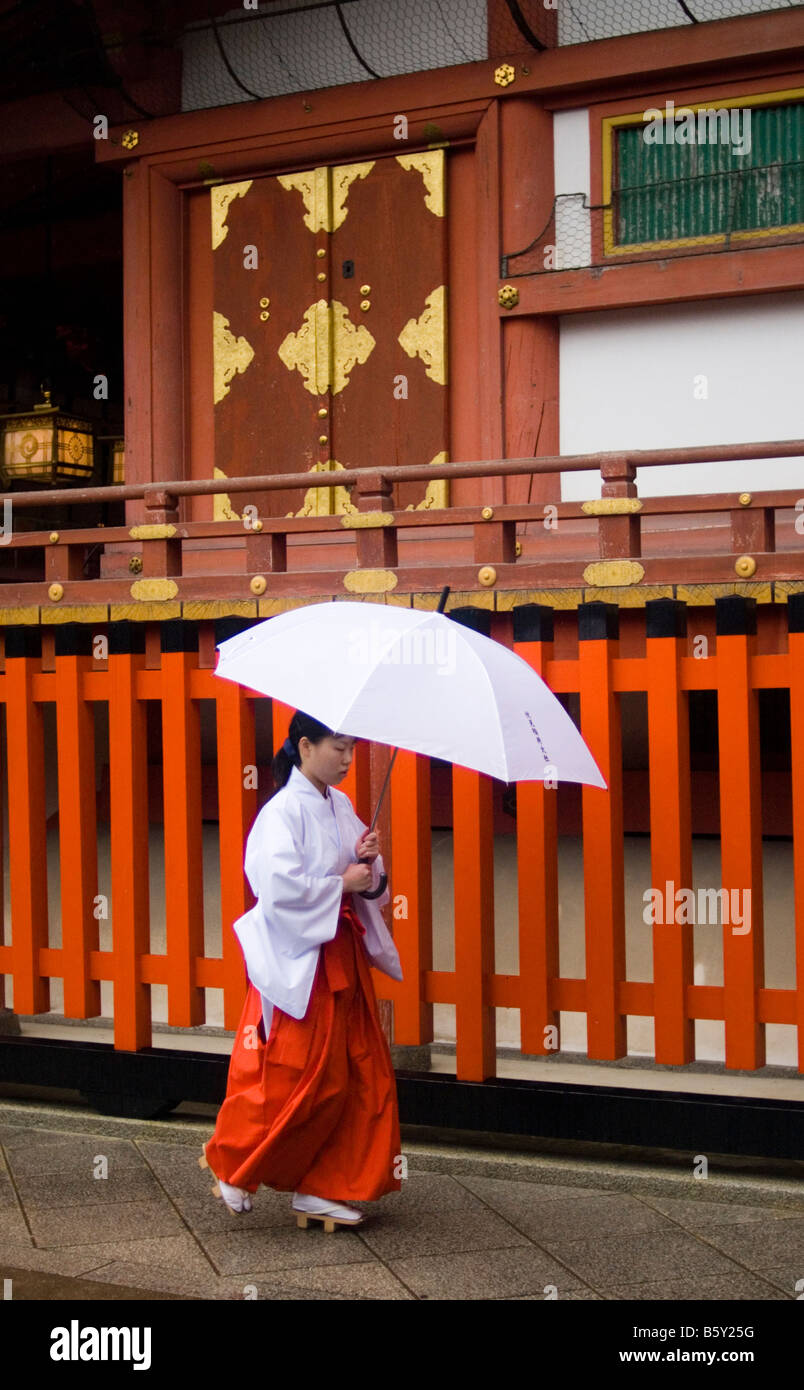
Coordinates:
(572, 186)
(628, 380)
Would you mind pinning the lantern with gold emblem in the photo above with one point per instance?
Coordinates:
(46, 446)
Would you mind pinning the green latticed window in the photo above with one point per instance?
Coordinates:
(717, 172)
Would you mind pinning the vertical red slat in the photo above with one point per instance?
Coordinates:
(473, 869)
(237, 808)
(671, 826)
(537, 863)
(740, 828)
(412, 894)
(603, 868)
(795, 617)
(181, 763)
(129, 828)
(78, 846)
(27, 836)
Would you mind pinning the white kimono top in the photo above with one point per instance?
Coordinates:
(298, 847)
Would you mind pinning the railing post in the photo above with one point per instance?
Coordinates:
(752, 531)
(495, 541)
(161, 553)
(266, 552)
(619, 531)
(376, 535)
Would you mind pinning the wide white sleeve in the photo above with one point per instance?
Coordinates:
(377, 867)
(299, 905)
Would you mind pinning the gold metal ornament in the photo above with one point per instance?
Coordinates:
(158, 531)
(321, 252)
(230, 356)
(367, 520)
(220, 198)
(365, 289)
(308, 349)
(436, 494)
(425, 337)
(507, 297)
(504, 75)
(612, 506)
(222, 509)
(745, 499)
(324, 192)
(153, 590)
(365, 304)
(54, 536)
(487, 576)
(135, 564)
(487, 513)
(323, 412)
(430, 165)
(130, 139)
(264, 302)
(745, 566)
(55, 592)
(256, 525)
(326, 501)
(611, 574)
(258, 584)
(264, 315)
(518, 548)
(369, 581)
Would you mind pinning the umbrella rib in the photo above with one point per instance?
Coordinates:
(481, 663)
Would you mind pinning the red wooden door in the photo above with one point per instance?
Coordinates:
(330, 325)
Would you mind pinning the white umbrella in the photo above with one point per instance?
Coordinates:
(415, 679)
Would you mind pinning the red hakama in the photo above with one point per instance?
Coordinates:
(314, 1109)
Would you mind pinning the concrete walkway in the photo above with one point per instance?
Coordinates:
(470, 1223)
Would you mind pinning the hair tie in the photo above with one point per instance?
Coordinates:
(287, 747)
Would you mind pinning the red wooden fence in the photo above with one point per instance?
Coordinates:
(660, 664)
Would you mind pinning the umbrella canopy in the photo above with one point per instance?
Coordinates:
(414, 679)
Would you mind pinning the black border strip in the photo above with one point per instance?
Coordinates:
(139, 1083)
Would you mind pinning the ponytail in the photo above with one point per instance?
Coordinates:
(287, 756)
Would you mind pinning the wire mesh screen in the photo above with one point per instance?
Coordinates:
(722, 211)
(580, 21)
(303, 48)
(304, 45)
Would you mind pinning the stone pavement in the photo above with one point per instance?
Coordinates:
(470, 1223)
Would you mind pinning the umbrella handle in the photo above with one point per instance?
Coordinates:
(374, 892)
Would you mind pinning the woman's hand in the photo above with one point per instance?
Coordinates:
(357, 878)
(368, 846)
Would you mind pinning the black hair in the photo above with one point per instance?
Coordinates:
(301, 726)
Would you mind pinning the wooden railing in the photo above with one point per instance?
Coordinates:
(500, 546)
(171, 663)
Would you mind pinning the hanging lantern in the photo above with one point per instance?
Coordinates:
(119, 461)
(46, 446)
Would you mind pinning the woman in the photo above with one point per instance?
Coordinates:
(311, 1104)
